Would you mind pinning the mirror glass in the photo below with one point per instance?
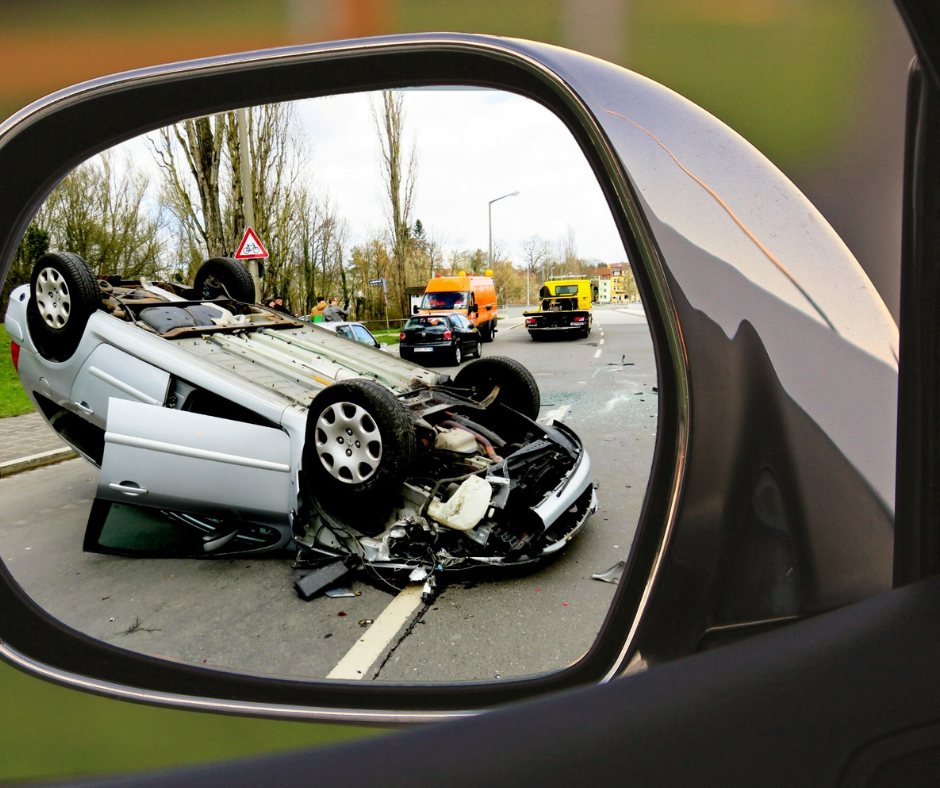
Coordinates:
(388, 415)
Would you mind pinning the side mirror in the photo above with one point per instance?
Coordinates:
(473, 309)
(678, 534)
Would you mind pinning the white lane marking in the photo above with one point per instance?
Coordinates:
(601, 342)
(558, 414)
(373, 643)
(598, 353)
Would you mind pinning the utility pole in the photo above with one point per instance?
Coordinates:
(513, 194)
(248, 200)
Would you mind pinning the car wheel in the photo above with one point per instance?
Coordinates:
(457, 356)
(517, 387)
(64, 293)
(490, 334)
(222, 276)
(478, 353)
(360, 444)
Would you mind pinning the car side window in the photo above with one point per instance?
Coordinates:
(363, 335)
(344, 331)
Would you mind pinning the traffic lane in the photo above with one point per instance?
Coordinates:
(239, 613)
(242, 613)
(548, 618)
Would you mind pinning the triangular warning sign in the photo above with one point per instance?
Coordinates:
(250, 247)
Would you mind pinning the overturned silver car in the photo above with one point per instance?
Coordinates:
(224, 427)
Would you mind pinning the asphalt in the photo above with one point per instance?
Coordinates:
(240, 613)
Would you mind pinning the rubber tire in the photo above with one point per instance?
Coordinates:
(58, 344)
(488, 332)
(456, 356)
(517, 386)
(478, 353)
(360, 504)
(231, 274)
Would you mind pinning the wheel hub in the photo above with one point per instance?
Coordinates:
(52, 298)
(348, 442)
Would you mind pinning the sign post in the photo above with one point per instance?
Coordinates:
(251, 248)
(248, 203)
(385, 297)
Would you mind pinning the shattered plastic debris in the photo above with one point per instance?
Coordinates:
(612, 575)
(341, 614)
(365, 622)
(341, 592)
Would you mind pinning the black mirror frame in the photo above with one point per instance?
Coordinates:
(42, 143)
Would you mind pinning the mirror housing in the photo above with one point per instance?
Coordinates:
(763, 448)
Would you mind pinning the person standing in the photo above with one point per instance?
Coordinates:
(334, 313)
(317, 311)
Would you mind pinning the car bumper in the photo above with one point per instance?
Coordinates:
(425, 351)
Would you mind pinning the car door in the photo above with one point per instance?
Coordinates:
(463, 331)
(362, 334)
(109, 372)
(188, 462)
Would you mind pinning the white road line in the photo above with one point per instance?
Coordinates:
(558, 414)
(598, 353)
(375, 641)
(601, 342)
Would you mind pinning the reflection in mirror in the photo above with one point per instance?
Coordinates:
(388, 414)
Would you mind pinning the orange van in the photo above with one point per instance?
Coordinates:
(470, 295)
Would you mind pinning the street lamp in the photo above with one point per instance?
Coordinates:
(513, 194)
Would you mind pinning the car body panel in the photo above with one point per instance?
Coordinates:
(188, 462)
(109, 372)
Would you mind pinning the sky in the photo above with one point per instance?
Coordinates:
(472, 146)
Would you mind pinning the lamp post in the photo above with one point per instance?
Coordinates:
(490, 207)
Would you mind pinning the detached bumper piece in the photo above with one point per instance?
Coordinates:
(320, 579)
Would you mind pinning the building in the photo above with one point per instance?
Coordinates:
(600, 286)
(622, 284)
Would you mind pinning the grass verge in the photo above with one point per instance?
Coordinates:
(13, 400)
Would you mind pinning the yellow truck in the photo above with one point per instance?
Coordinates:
(564, 309)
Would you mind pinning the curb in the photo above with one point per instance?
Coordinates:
(11, 467)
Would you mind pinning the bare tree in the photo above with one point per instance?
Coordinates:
(536, 253)
(199, 144)
(100, 213)
(399, 172)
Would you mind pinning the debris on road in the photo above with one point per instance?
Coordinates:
(310, 585)
(612, 575)
(341, 592)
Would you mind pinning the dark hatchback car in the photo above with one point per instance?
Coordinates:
(445, 339)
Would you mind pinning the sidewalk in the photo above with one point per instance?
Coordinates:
(28, 442)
